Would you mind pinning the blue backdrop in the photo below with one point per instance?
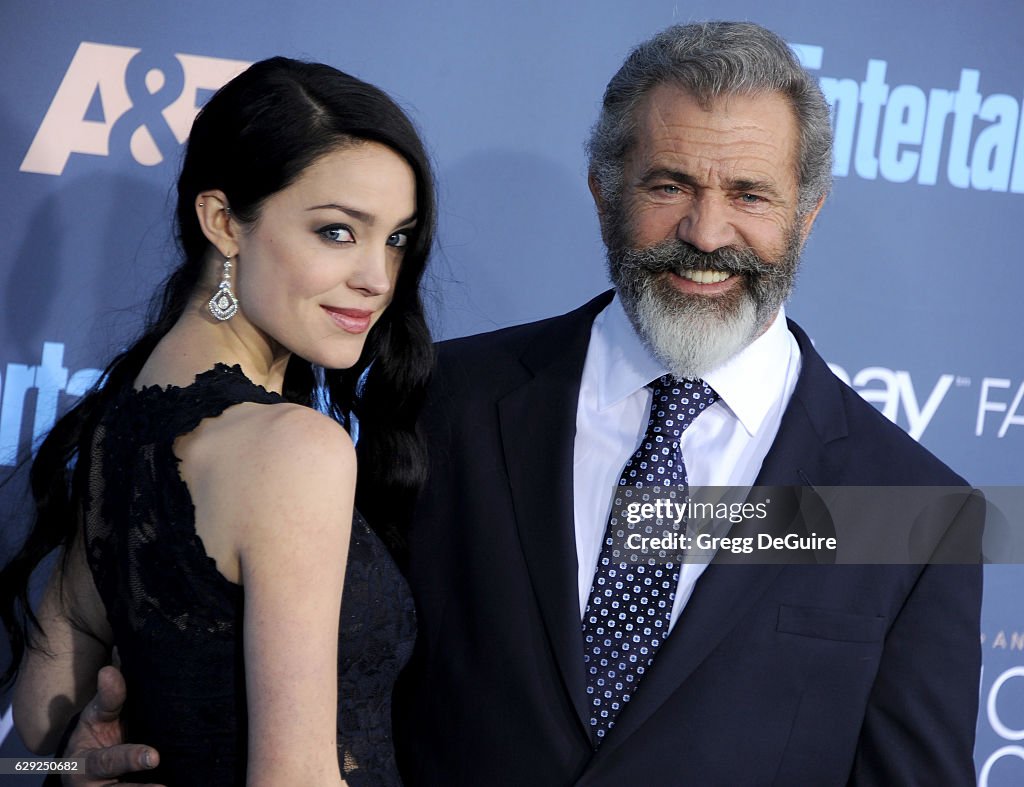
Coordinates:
(910, 284)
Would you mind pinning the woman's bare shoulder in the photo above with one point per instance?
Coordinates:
(283, 461)
(265, 438)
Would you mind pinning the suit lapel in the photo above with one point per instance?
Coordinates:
(538, 427)
(814, 417)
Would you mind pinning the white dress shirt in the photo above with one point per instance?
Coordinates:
(725, 446)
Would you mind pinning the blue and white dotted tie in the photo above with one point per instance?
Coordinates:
(630, 604)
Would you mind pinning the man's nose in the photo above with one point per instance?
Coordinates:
(706, 225)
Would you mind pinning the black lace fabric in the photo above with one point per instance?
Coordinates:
(177, 621)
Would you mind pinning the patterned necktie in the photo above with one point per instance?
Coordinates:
(630, 604)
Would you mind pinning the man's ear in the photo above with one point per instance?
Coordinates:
(808, 221)
(600, 203)
(216, 221)
(595, 192)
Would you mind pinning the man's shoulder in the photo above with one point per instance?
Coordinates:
(896, 454)
(872, 448)
(505, 347)
(510, 340)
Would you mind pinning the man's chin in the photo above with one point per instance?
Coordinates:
(692, 335)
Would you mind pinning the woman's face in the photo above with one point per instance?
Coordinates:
(319, 266)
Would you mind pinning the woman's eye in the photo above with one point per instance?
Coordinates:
(398, 239)
(337, 233)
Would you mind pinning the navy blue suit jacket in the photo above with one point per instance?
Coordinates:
(774, 674)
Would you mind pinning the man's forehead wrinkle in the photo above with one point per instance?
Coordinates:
(675, 131)
(713, 161)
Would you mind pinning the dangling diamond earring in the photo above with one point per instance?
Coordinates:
(224, 304)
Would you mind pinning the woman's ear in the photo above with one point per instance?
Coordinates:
(218, 225)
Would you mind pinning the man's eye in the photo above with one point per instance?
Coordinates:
(398, 239)
(336, 233)
(750, 199)
(670, 188)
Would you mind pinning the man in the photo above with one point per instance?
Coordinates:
(708, 167)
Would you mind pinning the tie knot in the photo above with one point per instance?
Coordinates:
(676, 403)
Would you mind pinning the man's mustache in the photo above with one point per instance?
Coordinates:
(676, 256)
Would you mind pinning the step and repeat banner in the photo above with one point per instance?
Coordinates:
(911, 284)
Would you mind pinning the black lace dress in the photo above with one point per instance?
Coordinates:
(177, 621)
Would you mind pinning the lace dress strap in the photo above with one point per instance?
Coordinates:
(167, 412)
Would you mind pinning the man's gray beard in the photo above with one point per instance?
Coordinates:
(694, 334)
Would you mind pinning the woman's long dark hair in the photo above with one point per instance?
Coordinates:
(254, 138)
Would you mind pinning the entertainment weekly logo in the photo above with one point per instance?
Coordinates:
(114, 96)
(898, 132)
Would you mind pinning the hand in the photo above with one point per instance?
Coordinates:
(98, 738)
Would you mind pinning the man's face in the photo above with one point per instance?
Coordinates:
(704, 242)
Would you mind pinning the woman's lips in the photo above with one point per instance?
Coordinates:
(350, 320)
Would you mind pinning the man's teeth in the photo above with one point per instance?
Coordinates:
(705, 277)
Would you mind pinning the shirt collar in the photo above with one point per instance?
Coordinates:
(749, 384)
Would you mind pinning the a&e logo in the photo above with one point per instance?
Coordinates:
(113, 96)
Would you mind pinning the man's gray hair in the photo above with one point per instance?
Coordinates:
(709, 60)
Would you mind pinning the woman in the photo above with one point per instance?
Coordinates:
(201, 472)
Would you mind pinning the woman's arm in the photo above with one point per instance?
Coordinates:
(294, 503)
(58, 675)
